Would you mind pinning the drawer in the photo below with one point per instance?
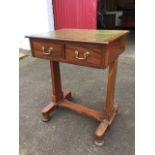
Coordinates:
(84, 55)
(47, 49)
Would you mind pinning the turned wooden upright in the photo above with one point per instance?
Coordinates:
(91, 48)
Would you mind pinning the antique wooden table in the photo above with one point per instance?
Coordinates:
(91, 48)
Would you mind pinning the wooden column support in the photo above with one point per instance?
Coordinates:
(58, 94)
(56, 81)
(110, 89)
(110, 108)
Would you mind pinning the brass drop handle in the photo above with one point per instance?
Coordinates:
(85, 55)
(46, 52)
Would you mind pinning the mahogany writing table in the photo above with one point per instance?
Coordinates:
(91, 48)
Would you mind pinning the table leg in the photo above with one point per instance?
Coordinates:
(111, 90)
(56, 81)
(56, 89)
(58, 94)
(110, 108)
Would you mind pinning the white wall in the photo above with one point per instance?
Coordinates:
(36, 16)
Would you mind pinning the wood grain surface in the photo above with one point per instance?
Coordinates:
(82, 35)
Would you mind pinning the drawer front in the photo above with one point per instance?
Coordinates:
(47, 49)
(84, 55)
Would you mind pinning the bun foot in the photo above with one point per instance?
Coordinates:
(99, 142)
(46, 119)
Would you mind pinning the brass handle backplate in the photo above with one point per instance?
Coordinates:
(45, 51)
(85, 55)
